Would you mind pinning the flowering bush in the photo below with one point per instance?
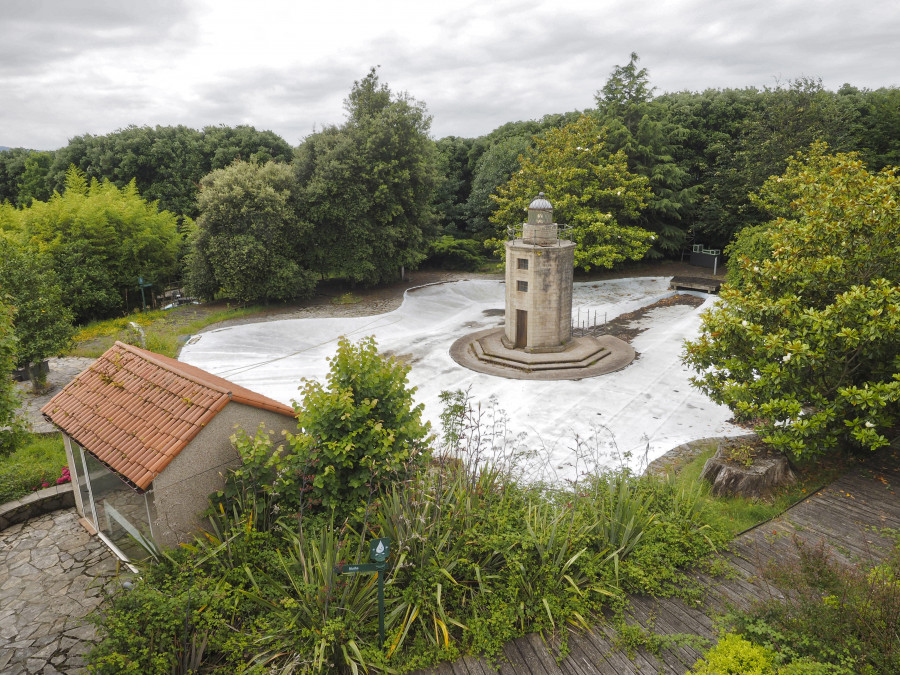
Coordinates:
(63, 478)
(805, 343)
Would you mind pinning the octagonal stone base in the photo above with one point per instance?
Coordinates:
(485, 352)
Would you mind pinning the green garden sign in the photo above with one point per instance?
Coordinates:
(379, 551)
(144, 284)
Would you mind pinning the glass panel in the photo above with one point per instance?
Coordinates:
(81, 481)
(122, 513)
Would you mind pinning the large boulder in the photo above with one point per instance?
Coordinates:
(746, 467)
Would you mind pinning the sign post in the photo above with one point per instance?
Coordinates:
(379, 551)
(144, 284)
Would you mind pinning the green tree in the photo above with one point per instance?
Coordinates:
(777, 123)
(878, 129)
(453, 185)
(714, 120)
(100, 240)
(642, 128)
(494, 157)
(590, 188)
(166, 163)
(12, 167)
(806, 343)
(789, 119)
(248, 243)
(368, 186)
(359, 429)
(493, 169)
(43, 324)
(34, 178)
(12, 426)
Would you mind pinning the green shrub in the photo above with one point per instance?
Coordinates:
(845, 616)
(450, 253)
(12, 425)
(478, 558)
(357, 431)
(806, 346)
(734, 655)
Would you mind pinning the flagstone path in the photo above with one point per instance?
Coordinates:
(52, 574)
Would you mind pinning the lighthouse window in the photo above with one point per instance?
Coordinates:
(522, 286)
(523, 263)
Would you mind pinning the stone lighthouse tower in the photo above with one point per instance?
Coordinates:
(539, 269)
(535, 341)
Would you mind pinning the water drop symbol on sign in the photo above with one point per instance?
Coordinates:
(380, 548)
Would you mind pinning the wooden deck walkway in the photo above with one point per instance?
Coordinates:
(843, 515)
(696, 283)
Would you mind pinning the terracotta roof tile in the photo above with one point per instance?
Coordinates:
(135, 410)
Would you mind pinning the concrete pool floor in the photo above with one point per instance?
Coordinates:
(641, 411)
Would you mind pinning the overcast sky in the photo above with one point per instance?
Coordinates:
(70, 67)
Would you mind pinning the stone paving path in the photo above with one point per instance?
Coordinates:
(62, 371)
(52, 574)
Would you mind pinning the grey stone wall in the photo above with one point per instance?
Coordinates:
(180, 493)
(37, 503)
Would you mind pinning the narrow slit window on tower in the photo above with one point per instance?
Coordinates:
(523, 263)
(522, 286)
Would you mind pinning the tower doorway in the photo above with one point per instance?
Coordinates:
(521, 328)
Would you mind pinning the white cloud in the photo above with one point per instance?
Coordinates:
(94, 66)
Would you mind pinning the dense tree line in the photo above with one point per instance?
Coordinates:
(165, 163)
(703, 153)
(97, 240)
(365, 198)
(356, 203)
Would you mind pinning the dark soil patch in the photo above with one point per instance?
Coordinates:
(621, 327)
(387, 297)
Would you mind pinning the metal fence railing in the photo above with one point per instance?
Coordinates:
(586, 320)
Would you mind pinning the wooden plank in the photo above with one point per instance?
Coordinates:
(642, 661)
(688, 653)
(516, 663)
(732, 599)
(675, 656)
(542, 653)
(695, 621)
(838, 508)
(860, 488)
(739, 585)
(478, 666)
(598, 647)
(575, 663)
(582, 660)
(860, 506)
(444, 668)
(836, 538)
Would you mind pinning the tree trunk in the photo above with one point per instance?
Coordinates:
(756, 474)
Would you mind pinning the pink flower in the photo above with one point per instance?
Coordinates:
(45, 485)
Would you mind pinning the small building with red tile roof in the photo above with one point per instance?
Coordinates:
(148, 439)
